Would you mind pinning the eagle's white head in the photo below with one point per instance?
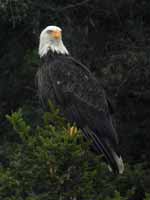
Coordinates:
(51, 40)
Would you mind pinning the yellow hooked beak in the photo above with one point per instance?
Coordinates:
(56, 34)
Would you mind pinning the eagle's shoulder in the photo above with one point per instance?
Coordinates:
(71, 76)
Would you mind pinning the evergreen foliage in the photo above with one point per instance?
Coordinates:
(46, 162)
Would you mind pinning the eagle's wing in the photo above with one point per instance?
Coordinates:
(84, 102)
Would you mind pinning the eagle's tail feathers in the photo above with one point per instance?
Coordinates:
(115, 162)
(119, 162)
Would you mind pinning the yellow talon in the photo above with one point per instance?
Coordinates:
(73, 131)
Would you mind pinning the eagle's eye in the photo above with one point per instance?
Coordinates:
(49, 31)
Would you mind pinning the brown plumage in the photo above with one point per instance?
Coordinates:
(79, 96)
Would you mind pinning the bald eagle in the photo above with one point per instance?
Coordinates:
(77, 93)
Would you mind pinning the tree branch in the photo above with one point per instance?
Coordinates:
(61, 9)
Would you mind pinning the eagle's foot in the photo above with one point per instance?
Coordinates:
(72, 131)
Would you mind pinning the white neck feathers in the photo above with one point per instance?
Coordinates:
(47, 45)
